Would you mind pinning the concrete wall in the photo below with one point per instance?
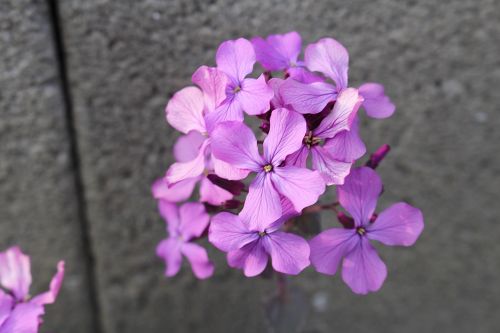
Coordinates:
(77, 157)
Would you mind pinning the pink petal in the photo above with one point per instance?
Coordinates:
(342, 116)
(234, 143)
(25, 318)
(333, 170)
(170, 251)
(307, 98)
(285, 135)
(278, 52)
(376, 103)
(330, 58)
(174, 193)
(228, 171)
(360, 193)
(299, 158)
(255, 96)
(6, 305)
(170, 214)
(275, 84)
(236, 58)
(329, 247)
(301, 186)
(289, 252)
(303, 75)
(251, 257)
(262, 204)
(213, 83)
(400, 224)
(185, 110)
(213, 194)
(363, 270)
(347, 145)
(50, 296)
(228, 232)
(193, 220)
(229, 110)
(198, 258)
(15, 273)
(184, 170)
(187, 147)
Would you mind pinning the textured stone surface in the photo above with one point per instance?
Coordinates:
(38, 207)
(439, 62)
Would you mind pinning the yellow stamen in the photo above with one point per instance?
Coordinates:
(268, 168)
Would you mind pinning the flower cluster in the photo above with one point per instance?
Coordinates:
(18, 311)
(307, 142)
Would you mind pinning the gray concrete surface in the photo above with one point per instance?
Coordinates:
(440, 63)
(38, 206)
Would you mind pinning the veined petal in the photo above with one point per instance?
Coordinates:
(299, 158)
(6, 305)
(329, 247)
(332, 170)
(185, 110)
(377, 104)
(229, 110)
(289, 252)
(193, 220)
(170, 213)
(184, 170)
(178, 192)
(342, 116)
(277, 52)
(301, 74)
(24, 318)
(360, 193)
(213, 194)
(285, 135)
(400, 224)
(228, 171)
(251, 257)
(307, 98)
(170, 251)
(234, 143)
(255, 96)
(15, 272)
(187, 147)
(213, 83)
(236, 58)
(363, 270)
(228, 232)
(330, 58)
(301, 186)
(198, 258)
(347, 145)
(50, 296)
(275, 85)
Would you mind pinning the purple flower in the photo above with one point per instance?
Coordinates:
(249, 248)
(183, 225)
(236, 59)
(234, 143)
(19, 313)
(278, 52)
(362, 268)
(341, 143)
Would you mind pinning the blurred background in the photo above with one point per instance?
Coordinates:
(83, 85)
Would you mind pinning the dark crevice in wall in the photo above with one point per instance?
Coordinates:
(76, 164)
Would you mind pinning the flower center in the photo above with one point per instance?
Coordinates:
(268, 168)
(361, 231)
(236, 89)
(310, 140)
(262, 233)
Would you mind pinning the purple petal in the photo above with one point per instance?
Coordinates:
(333, 170)
(342, 116)
(330, 58)
(400, 224)
(228, 232)
(251, 257)
(193, 220)
(285, 135)
(299, 158)
(255, 96)
(228, 171)
(50, 296)
(376, 103)
(184, 170)
(236, 58)
(262, 204)
(275, 84)
(234, 143)
(198, 258)
(363, 270)
(289, 252)
(187, 146)
(360, 193)
(307, 98)
(25, 318)
(303, 75)
(213, 83)
(174, 193)
(170, 214)
(213, 194)
(170, 251)
(277, 52)
(301, 186)
(185, 110)
(6, 305)
(347, 145)
(329, 247)
(15, 273)
(229, 110)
